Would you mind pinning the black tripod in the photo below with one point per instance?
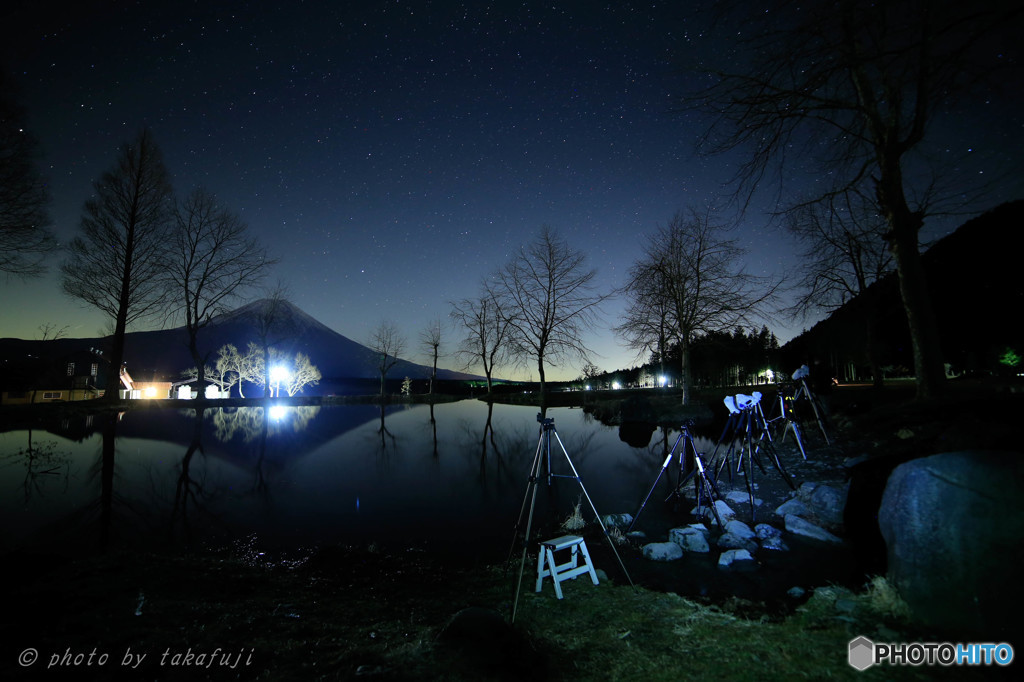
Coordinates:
(687, 455)
(547, 430)
(803, 391)
(747, 429)
(787, 419)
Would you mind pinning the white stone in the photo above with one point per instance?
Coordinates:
(732, 557)
(775, 543)
(618, 520)
(741, 497)
(792, 507)
(766, 530)
(799, 526)
(662, 551)
(739, 529)
(690, 539)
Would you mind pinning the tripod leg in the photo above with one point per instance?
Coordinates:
(651, 491)
(531, 481)
(813, 400)
(526, 539)
(597, 516)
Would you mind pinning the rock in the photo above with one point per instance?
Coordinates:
(690, 539)
(824, 502)
(724, 511)
(774, 543)
(733, 541)
(792, 506)
(766, 530)
(617, 520)
(796, 592)
(952, 525)
(741, 497)
(736, 558)
(799, 526)
(739, 529)
(662, 551)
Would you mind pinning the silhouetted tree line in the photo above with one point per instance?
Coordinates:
(719, 358)
(977, 293)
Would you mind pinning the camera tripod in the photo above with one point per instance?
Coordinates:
(543, 453)
(688, 455)
(803, 392)
(787, 417)
(747, 427)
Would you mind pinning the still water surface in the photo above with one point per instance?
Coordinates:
(450, 479)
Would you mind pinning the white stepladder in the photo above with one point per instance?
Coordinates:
(571, 569)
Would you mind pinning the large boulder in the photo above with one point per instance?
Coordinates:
(953, 525)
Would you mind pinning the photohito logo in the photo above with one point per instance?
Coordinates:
(864, 653)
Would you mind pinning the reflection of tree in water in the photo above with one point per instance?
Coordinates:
(385, 436)
(190, 495)
(251, 423)
(43, 463)
(433, 425)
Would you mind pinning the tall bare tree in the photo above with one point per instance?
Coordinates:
(25, 237)
(118, 262)
(548, 298)
(430, 340)
(854, 89)
(690, 278)
(842, 253)
(213, 260)
(486, 334)
(388, 343)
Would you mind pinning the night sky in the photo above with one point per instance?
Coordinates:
(393, 154)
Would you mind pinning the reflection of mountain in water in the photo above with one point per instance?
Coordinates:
(235, 434)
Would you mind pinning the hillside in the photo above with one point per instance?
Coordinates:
(164, 354)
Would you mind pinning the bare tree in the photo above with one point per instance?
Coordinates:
(388, 343)
(486, 334)
(430, 340)
(647, 327)
(25, 237)
(119, 260)
(843, 253)
(303, 373)
(547, 297)
(691, 277)
(229, 368)
(855, 89)
(213, 260)
(51, 332)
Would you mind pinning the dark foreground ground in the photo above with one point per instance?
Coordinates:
(363, 613)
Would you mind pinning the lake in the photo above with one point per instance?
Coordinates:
(450, 477)
(450, 480)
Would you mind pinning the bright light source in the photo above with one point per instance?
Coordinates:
(587, 387)
(279, 373)
(151, 391)
(662, 380)
(278, 412)
(770, 375)
(616, 385)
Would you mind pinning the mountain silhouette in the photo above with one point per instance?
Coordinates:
(164, 354)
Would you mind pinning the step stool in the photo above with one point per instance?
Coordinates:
(546, 565)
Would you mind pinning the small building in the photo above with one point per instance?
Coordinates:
(80, 375)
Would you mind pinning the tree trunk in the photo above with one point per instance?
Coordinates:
(903, 243)
(684, 369)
